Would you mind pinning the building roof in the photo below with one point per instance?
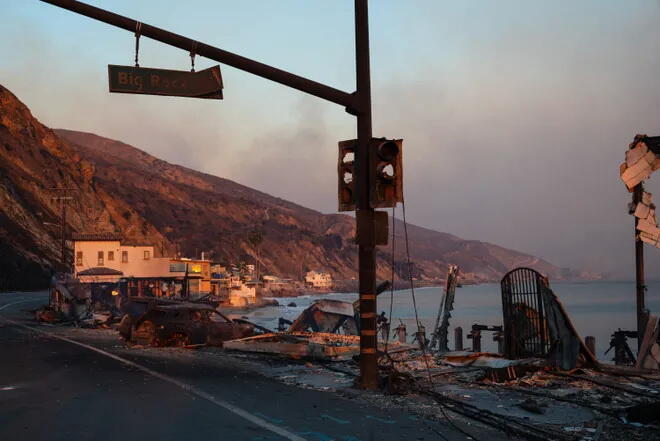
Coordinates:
(94, 237)
(100, 271)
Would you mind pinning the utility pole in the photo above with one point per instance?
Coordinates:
(357, 104)
(638, 192)
(365, 217)
(63, 201)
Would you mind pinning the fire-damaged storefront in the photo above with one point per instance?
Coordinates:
(107, 288)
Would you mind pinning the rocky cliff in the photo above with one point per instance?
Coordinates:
(118, 188)
(37, 170)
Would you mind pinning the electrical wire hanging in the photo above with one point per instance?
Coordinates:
(412, 285)
(423, 343)
(393, 271)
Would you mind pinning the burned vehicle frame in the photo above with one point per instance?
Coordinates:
(149, 323)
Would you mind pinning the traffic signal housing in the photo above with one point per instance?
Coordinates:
(385, 172)
(346, 175)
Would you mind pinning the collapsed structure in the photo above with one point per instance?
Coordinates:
(536, 324)
(541, 356)
(642, 159)
(544, 383)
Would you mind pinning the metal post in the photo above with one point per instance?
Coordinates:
(590, 342)
(475, 335)
(476, 342)
(365, 214)
(500, 343)
(458, 338)
(638, 191)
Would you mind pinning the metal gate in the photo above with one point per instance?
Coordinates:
(525, 325)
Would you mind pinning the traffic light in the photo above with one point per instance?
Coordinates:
(385, 172)
(346, 175)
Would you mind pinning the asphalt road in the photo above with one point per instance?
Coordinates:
(57, 387)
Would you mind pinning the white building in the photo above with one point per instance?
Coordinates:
(104, 255)
(243, 295)
(319, 280)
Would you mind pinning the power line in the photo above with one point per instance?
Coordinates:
(420, 336)
(389, 319)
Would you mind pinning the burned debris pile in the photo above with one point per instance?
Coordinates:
(327, 330)
(543, 382)
(144, 321)
(73, 302)
(301, 345)
(329, 316)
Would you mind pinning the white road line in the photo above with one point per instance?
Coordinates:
(20, 301)
(187, 387)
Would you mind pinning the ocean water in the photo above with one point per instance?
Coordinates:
(595, 308)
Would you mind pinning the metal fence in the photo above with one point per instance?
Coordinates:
(525, 326)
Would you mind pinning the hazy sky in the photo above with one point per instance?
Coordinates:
(515, 115)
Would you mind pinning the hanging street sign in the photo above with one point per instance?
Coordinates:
(206, 83)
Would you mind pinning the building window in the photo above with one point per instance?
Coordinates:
(147, 255)
(78, 258)
(100, 258)
(195, 268)
(124, 256)
(111, 256)
(177, 267)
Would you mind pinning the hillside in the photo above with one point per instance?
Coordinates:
(120, 188)
(33, 162)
